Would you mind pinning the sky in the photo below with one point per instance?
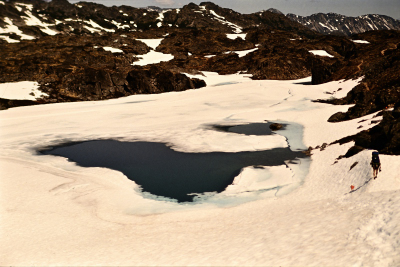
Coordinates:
(299, 7)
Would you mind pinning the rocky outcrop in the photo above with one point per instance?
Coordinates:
(201, 43)
(378, 62)
(275, 126)
(267, 57)
(76, 68)
(8, 103)
(384, 137)
(155, 80)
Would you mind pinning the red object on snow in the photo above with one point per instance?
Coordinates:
(352, 187)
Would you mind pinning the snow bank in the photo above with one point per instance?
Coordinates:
(321, 53)
(21, 91)
(302, 213)
(153, 57)
(112, 49)
(223, 20)
(31, 20)
(236, 35)
(153, 43)
(243, 52)
(11, 28)
(96, 27)
(121, 26)
(361, 42)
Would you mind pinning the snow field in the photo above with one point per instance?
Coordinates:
(21, 91)
(30, 20)
(11, 28)
(57, 213)
(152, 57)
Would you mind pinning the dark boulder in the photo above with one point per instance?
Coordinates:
(275, 126)
(337, 117)
(353, 151)
(8, 103)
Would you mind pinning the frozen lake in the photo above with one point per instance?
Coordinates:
(164, 172)
(55, 212)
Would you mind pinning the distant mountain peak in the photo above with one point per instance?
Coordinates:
(274, 10)
(333, 23)
(157, 9)
(60, 16)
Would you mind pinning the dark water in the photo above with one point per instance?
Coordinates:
(247, 129)
(164, 172)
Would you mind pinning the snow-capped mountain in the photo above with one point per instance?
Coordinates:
(30, 19)
(333, 23)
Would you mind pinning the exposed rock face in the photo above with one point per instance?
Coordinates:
(337, 24)
(155, 80)
(378, 61)
(380, 65)
(201, 43)
(72, 68)
(7, 103)
(385, 137)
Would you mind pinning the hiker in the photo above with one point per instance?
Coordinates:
(375, 163)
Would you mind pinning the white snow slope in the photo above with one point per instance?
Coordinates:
(54, 212)
(152, 57)
(21, 90)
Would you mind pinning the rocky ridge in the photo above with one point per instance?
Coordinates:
(23, 19)
(88, 52)
(337, 24)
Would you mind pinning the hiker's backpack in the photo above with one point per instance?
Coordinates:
(375, 163)
(375, 157)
